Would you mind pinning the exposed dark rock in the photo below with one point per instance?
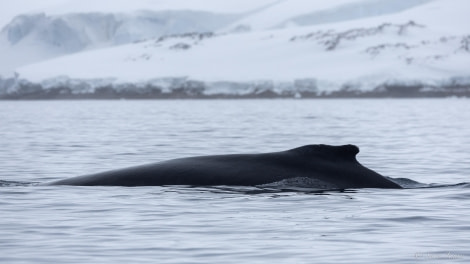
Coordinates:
(465, 43)
(180, 46)
(331, 39)
(192, 35)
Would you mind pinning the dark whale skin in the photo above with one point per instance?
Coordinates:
(336, 165)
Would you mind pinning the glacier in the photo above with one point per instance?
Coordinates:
(268, 49)
(36, 37)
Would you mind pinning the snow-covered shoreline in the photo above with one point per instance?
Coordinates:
(362, 48)
(183, 88)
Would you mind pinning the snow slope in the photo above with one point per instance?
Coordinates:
(36, 37)
(53, 28)
(303, 13)
(292, 47)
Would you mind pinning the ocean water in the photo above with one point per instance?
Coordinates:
(426, 140)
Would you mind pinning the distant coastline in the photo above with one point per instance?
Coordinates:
(109, 93)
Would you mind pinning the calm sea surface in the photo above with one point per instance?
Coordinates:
(423, 140)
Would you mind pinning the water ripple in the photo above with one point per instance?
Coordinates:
(424, 142)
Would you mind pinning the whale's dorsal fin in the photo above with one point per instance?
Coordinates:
(347, 152)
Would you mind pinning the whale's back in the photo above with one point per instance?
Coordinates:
(333, 164)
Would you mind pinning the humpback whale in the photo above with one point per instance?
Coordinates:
(335, 166)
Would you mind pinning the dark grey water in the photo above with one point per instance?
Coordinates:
(424, 140)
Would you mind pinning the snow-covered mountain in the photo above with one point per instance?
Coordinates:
(35, 37)
(61, 27)
(253, 48)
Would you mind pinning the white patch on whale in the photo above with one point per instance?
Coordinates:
(300, 182)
